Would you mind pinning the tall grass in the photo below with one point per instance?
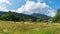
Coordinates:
(9, 27)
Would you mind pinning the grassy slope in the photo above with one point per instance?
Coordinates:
(8, 27)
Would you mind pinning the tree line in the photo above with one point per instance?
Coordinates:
(9, 17)
(56, 18)
(12, 17)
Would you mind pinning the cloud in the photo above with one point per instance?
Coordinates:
(3, 4)
(31, 7)
(51, 13)
(5, 1)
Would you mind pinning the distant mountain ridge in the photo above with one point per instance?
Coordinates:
(2, 12)
(20, 15)
(41, 16)
(33, 16)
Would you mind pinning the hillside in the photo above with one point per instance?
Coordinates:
(41, 16)
(33, 16)
(22, 17)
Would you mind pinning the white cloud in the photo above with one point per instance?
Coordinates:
(31, 7)
(8, 10)
(3, 4)
(51, 13)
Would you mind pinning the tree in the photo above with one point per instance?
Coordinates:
(56, 18)
(10, 16)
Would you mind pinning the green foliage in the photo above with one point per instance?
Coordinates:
(9, 17)
(12, 16)
(56, 18)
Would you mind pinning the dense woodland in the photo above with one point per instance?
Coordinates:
(10, 16)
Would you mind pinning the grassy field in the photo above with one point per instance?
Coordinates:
(8, 27)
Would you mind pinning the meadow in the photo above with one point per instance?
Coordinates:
(9, 27)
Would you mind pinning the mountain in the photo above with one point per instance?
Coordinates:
(34, 16)
(25, 16)
(41, 16)
(2, 12)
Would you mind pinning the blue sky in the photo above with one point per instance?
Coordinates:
(47, 7)
(15, 4)
(55, 4)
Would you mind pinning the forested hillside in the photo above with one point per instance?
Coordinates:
(13, 16)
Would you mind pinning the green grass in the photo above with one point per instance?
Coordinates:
(9, 27)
